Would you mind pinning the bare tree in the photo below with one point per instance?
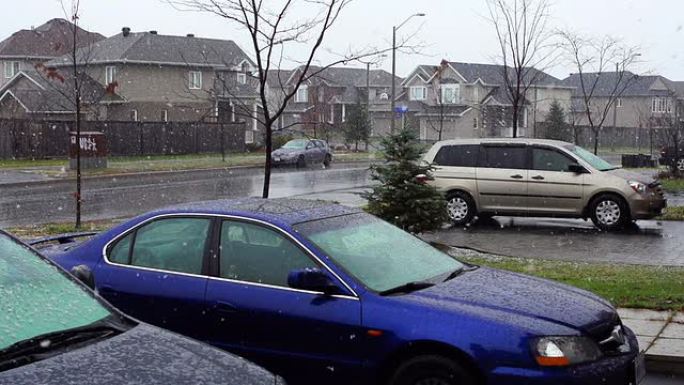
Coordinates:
(525, 44)
(273, 28)
(672, 133)
(593, 59)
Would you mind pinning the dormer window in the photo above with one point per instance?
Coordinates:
(302, 95)
(418, 93)
(241, 78)
(451, 93)
(11, 69)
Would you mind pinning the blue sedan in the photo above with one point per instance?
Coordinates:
(321, 293)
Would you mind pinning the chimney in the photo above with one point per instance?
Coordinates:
(153, 32)
(126, 31)
(191, 35)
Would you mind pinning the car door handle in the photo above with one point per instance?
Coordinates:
(517, 176)
(538, 177)
(225, 307)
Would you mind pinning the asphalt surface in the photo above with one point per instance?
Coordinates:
(646, 242)
(660, 379)
(36, 202)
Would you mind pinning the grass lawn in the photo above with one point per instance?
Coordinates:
(673, 185)
(673, 214)
(646, 287)
(28, 232)
(132, 164)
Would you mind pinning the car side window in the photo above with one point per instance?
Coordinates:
(545, 159)
(175, 244)
(121, 252)
(457, 156)
(254, 253)
(511, 157)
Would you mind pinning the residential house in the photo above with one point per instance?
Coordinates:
(48, 95)
(638, 101)
(25, 49)
(322, 102)
(170, 78)
(469, 100)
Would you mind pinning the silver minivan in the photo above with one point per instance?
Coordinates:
(536, 177)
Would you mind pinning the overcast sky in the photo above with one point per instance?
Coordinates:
(453, 29)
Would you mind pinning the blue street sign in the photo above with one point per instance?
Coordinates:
(401, 109)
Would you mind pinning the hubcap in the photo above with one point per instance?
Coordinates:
(432, 381)
(608, 212)
(457, 208)
(680, 164)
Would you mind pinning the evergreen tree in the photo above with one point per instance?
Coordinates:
(556, 127)
(357, 126)
(401, 198)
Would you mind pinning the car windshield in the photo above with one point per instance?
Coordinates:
(595, 161)
(36, 298)
(379, 255)
(296, 144)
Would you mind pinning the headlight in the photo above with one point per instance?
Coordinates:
(565, 351)
(637, 186)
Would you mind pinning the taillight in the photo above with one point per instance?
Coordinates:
(422, 178)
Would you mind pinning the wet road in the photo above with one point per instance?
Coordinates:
(648, 242)
(110, 197)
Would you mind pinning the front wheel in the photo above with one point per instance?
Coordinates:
(327, 160)
(609, 212)
(431, 370)
(460, 208)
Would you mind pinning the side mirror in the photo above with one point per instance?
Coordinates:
(312, 280)
(577, 169)
(83, 273)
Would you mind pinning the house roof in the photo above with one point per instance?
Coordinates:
(54, 93)
(678, 87)
(152, 48)
(633, 85)
(52, 39)
(353, 80)
(492, 74)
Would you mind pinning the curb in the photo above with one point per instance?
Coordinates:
(664, 364)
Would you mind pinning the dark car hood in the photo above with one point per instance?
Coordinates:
(630, 175)
(143, 355)
(520, 294)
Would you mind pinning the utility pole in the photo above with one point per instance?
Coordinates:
(394, 67)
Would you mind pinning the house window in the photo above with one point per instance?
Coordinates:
(302, 95)
(476, 95)
(618, 102)
(660, 104)
(384, 96)
(451, 94)
(241, 78)
(110, 74)
(164, 115)
(249, 136)
(11, 69)
(195, 80)
(134, 115)
(418, 93)
(332, 114)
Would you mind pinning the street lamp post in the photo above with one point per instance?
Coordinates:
(394, 65)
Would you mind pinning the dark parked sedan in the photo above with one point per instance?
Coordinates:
(326, 294)
(301, 152)
(53, 330)
(669, 158)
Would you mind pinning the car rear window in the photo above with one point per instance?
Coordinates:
(457, 156)
(512, 157)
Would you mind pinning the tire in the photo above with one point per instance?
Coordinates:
(327, 161)
(301, 162)
(460, 208)
(680, 164)
(431, 370)
(609, 212)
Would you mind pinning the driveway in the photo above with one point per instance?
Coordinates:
(658, 243)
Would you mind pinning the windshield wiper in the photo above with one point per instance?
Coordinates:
(459, 271)
(407, 288)
(46, 345)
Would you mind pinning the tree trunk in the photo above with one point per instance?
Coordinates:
(596, 139)
(515, 121)
(267, 165)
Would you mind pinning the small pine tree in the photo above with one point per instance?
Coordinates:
(357, 126)
(556, 127)
(400, 198)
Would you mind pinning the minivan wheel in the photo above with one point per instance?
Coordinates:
(680, 164)
(431, 370)
(327, 160)
(608, 212)
(460, 208)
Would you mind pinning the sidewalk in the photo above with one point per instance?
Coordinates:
(660, 335)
